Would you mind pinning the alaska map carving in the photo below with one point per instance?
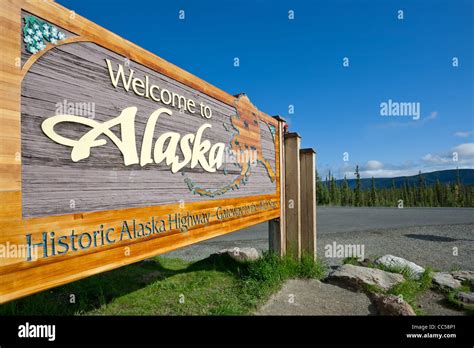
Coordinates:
(246, 145)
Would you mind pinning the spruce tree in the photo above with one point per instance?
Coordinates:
(458, 193)
(346, 193)
(373, 194)
(393, 199)
(406, 193)
(357, 190)
(319, 189)
(420, 196)
(438, 194)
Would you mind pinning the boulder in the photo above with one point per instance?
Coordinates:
(446, 280)
(463, 276)
(355, 277)
(391, 305)
(466, 297)
(396, 262)
(241, 254)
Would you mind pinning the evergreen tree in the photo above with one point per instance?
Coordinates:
(450, 195)
(346, 193)
(373, 194)
(393, 199)
(319, 189)
(337, 193)
(420, 192)
(438, 194)
(406, 193)
(322, 193)
(357, 190)
(332, 189)
(457, 190)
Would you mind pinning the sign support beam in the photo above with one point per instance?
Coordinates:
(277, 227)
(308, 201)
(293, 194)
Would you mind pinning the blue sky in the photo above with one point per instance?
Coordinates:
(299, 62)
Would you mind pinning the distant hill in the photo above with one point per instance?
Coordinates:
(444, 176)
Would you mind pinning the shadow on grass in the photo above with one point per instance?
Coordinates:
(96, 291)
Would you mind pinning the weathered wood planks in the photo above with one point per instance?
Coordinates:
(76, 73)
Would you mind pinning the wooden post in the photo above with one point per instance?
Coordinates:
(293, 194)
(274, 234)
(277, 227)
(308, 202)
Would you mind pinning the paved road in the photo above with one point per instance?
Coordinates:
(381, 229)
(342, 219)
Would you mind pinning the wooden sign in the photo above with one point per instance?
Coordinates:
(110, 155)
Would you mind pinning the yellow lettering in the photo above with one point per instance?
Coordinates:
(194, 149)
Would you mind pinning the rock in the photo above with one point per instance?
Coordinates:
(446, 280)
(466, 297)
(391, 261)
(391, 305)
(365, 263)
(355, 277)
(463, 275)
(241, 254)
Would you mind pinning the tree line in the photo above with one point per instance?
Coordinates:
(419, 194)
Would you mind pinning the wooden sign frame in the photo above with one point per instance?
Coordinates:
(19, 277)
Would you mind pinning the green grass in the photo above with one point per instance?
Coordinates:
(363, 263)
(411, 288)
(217, 285)
(455, 268)
(351, 261)
(372, 288)
(405, 271)
(453, 300)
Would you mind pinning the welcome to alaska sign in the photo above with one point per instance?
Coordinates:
(110, 155)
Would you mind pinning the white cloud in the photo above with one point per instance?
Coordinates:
(460, 156)
(465, 150)
(432, 116)
(380, 170)
(382, 173)
(373, 165)
(464, 134)
(435, 159)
